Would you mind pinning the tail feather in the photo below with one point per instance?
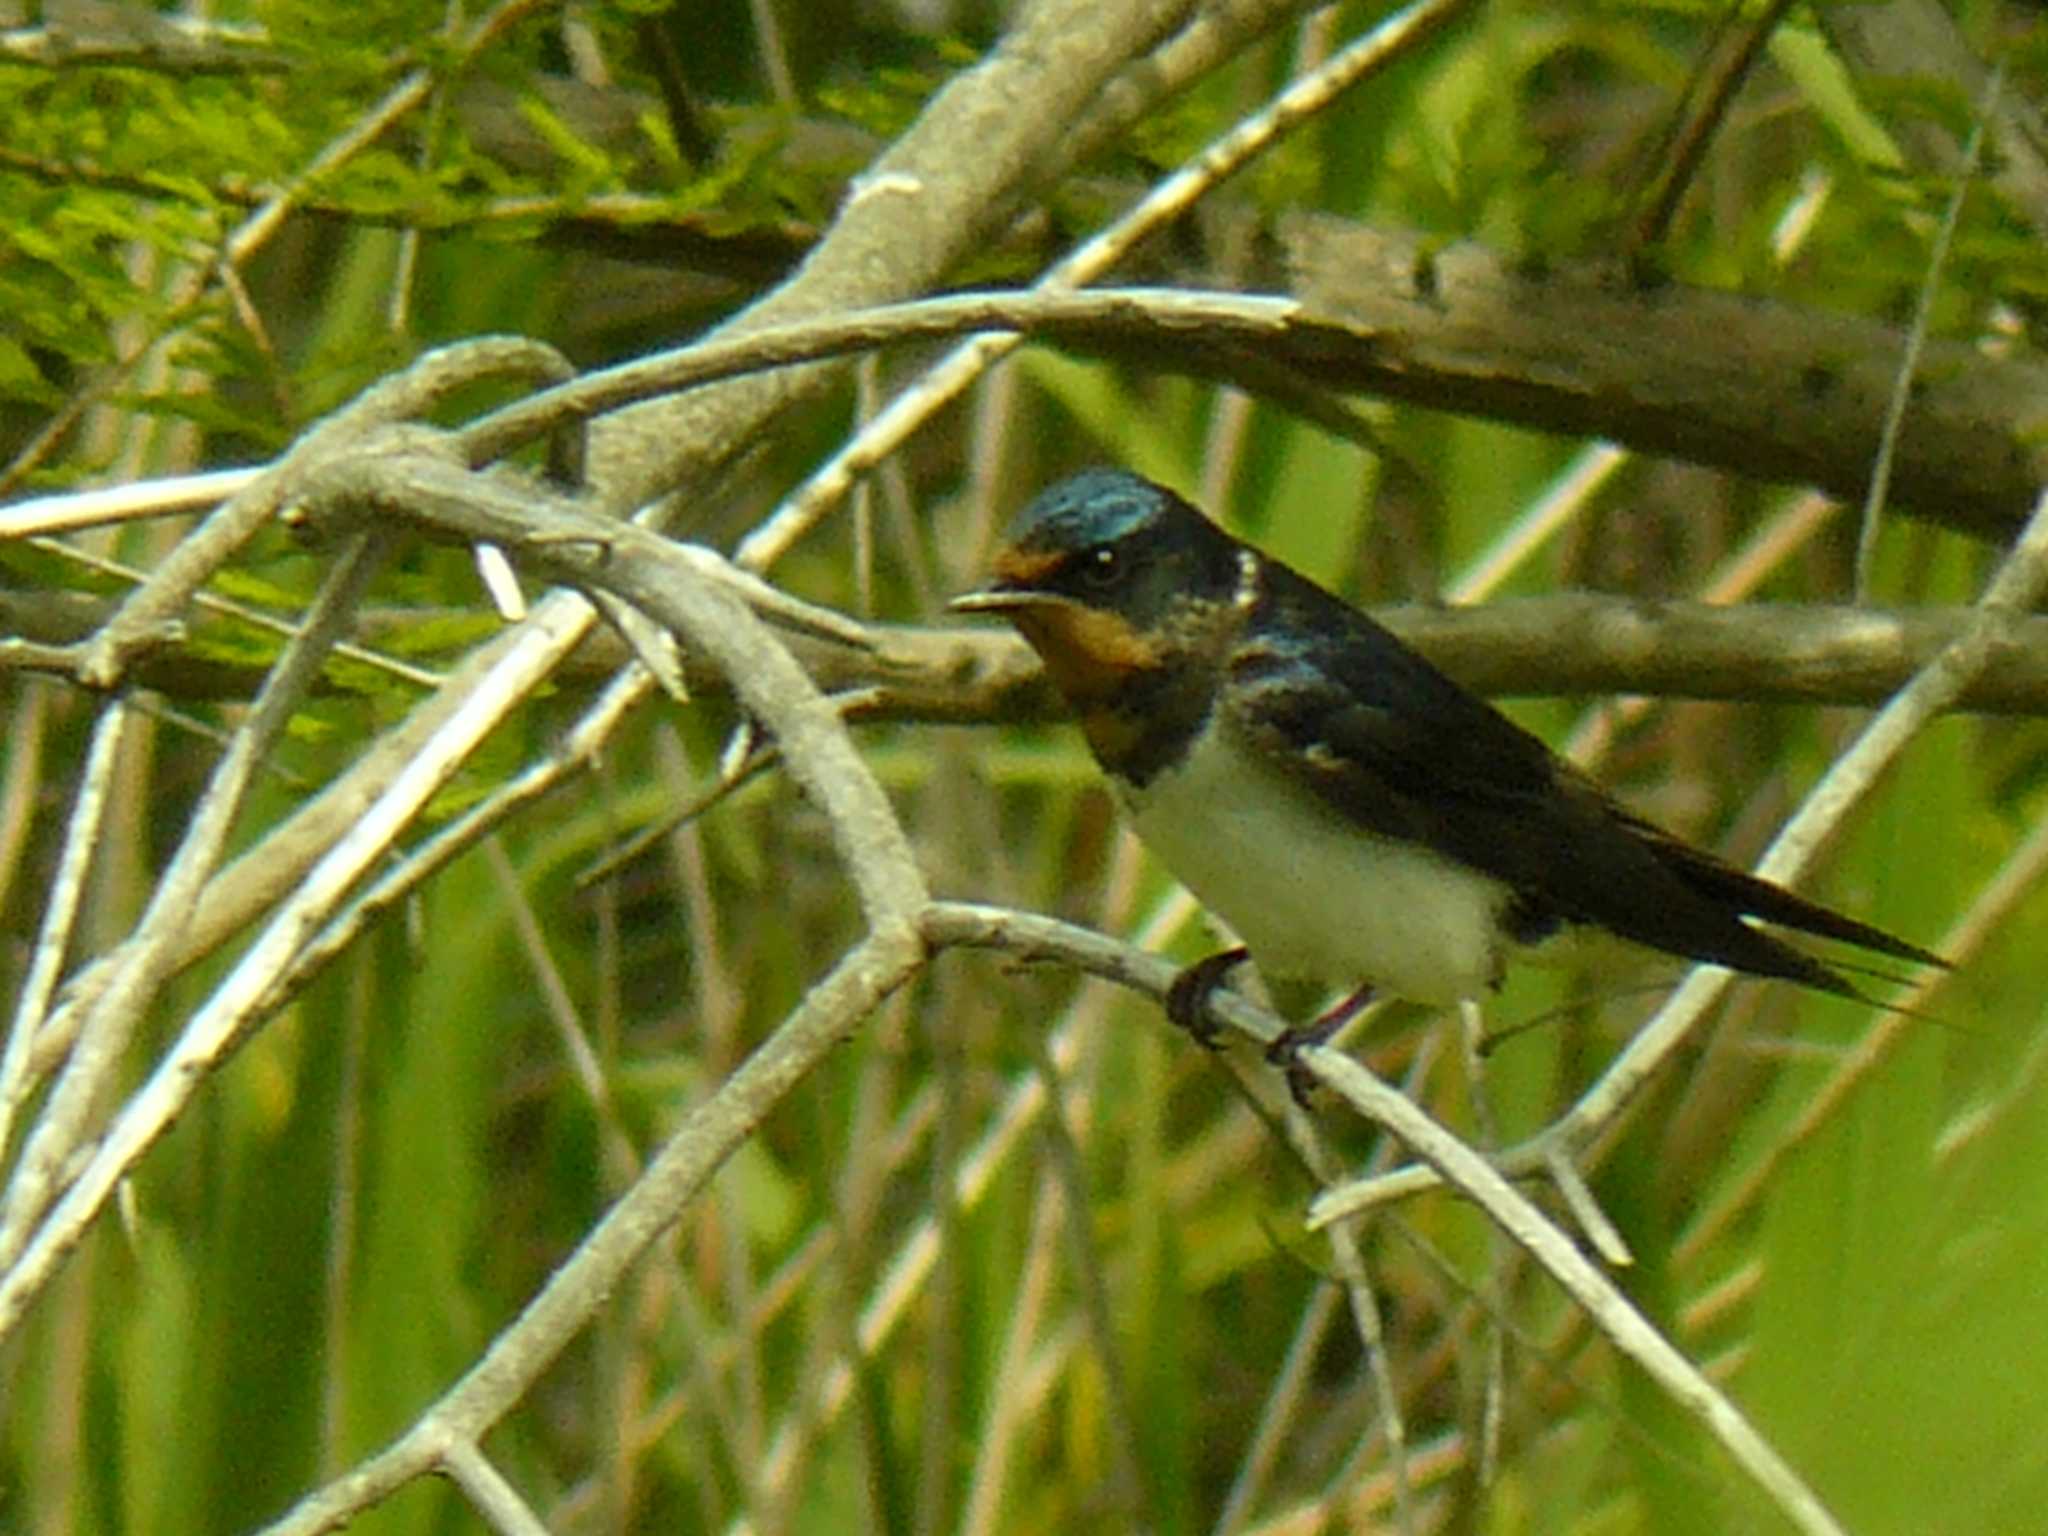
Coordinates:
(1775, 904)
(1744, 948)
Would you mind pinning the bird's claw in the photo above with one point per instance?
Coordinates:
(1187, 999)
(1285, 1053)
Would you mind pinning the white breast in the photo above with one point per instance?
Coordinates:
(1312, 895)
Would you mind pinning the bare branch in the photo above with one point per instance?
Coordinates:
(128, 37)
(1562, 644)
(1765, 389)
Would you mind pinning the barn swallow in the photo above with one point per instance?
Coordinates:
(1354, 815)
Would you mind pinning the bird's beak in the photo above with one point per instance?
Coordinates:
(1005, 600)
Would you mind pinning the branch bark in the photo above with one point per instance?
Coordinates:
(1767, 390)
(1569, 643)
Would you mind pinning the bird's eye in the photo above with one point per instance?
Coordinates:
(1101, 568)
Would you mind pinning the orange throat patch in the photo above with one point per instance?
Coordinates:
(1088, 653)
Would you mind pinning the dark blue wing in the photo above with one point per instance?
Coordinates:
(1395, 746)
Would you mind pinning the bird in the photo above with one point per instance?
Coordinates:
(1358, 818)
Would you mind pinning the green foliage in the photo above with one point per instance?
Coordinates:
(886, 101)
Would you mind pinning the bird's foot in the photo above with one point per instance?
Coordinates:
(1187, 999)
(1285, 1051)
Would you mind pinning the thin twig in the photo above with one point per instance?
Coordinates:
(131, 501)
(60, 908)
(1610, 1311)
(62, 1130)
(143, 616)
(1916, 341)
(1707, 99)
(678, 1173)
(228, 608)
(1130, 312)
(490, 1495)
(1453, 1161)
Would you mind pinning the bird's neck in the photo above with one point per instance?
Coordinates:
(1148, 722)
(1141, 717)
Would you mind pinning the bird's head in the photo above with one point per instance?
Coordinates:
(1109, 576)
